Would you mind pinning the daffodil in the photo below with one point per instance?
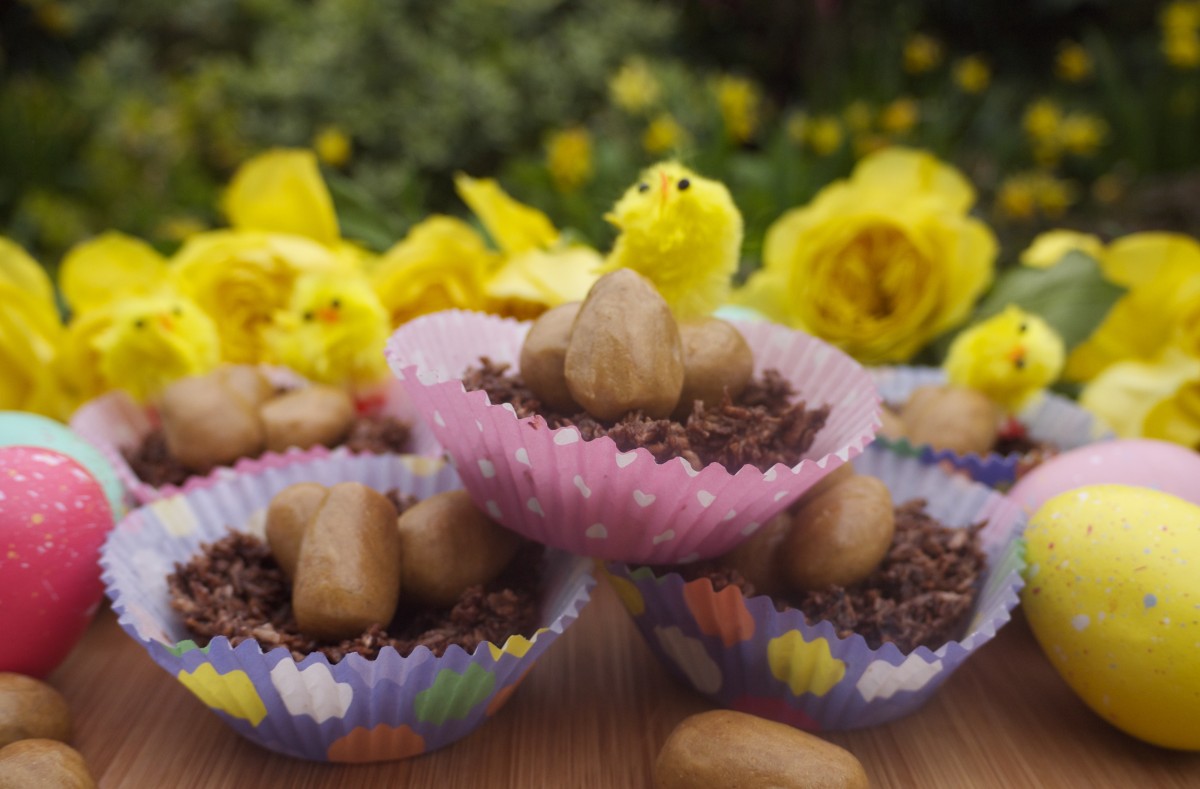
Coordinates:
(1042, 119)
(740, 101)
(108, 267)
(1052, 246)
(569, 158)
(281, 191)
(664, 135)
(1161, 308)
(825, 134)
(634, 88)
(972, 74)
(1082, 134)
(333, 146)
(900, 116)
(922, 53)
(1073, 63)
(1015, 198)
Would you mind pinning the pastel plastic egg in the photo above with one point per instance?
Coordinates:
(54, 517)
(18, 428)
(1159, 465)
(1113, 597)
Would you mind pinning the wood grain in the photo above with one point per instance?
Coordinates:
(594, 712)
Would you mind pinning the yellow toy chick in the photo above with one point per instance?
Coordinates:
(333, 330)
(152, 341)
(683, 233)
(1009, 357)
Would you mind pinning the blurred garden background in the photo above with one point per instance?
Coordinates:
(136, 115)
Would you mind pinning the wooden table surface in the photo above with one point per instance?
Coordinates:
(593, 713)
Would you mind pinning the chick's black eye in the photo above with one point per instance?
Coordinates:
(308, 316)
(684, 184)
(1020, 364)
(336, 304)
(140, 323)
(1023, 327)
(177, 312)
(643, 187)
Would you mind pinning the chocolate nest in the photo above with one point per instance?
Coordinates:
(234, 588)
(154, 464)
(920, 595)
(760, 428)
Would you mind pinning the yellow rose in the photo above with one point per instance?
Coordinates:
(529, 284)
(879, 264)
(1156, 399)
(441, 264)
(1160, 309)
(30, 332)
(242, 278)
(108, 266)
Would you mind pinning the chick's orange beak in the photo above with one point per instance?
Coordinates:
(166, 323)
(1016, 355)
(665, 184)
(328, 315)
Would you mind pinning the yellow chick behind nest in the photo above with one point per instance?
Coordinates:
(333, 330)
(1009, 357)
(683, 233)
(152, 341)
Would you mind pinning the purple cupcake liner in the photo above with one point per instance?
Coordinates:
(1050, 418)
(589, 497)
(114, 423)
(356, 710)
(744, 654)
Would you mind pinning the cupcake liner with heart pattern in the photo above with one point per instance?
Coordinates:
(589, 497)
(355, 710)
(744, 654)
(115, 423)
(1051, 419)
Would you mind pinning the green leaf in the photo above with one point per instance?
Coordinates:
(1072, 295)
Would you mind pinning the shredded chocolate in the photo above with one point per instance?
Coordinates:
(761, 428)
(234, 588)
(154, 464)
(919, 595)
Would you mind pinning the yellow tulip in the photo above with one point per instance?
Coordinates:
(1161, 308)
(441, 264)
(1052, 246)
(514, 226)
(110, 266)
(281, 191)
(879, 264)
(242, 278)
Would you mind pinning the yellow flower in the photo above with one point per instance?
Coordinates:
(866, 144)
(796, 127)
(179, 227)
(1180, 16)
(242, 278)
(1155, 399)
(858, 116)
(972, 74)
(738, 100)
(107, 267)
(1052, 246)
(530, 283)
(569, 158)
(1082, 134)
(281, 191)
(441, 264)
(900, 116)
(1054, 195)
(513, 226)
(1015, 199)
(1042, 119)
(1160, 309)
(333, 146)
(634, 88)
(663, 135)
(1182, 50)
(30, 332)
(922, 53)
(1073, 63)
(824, 134)
(879, 264)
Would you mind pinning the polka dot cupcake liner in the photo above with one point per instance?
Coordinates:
(356, 710)
(589, 497)
(1051, 418)
(114, 423)
(744, 654)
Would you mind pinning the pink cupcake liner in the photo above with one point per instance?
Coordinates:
(114, 423)
(590, 498)
(356, 710)
(1050, 418)
(744, 654)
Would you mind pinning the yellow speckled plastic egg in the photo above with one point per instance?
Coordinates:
(1113, 596)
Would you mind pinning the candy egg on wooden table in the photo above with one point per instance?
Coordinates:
(1160, 465)
(19, 428)
(1113, 597)
(54, 517)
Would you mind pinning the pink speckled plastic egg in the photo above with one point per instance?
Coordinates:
(54, 517)
(1157, 465)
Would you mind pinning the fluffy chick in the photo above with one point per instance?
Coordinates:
(1009, 357)
(151, 341)
(333, 330)
(683, 233)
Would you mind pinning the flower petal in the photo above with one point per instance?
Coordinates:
(514, 226)
(281, 191)
(107, 267)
